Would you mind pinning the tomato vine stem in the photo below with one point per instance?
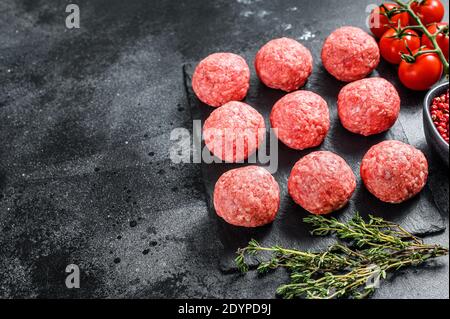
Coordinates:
(407, 7)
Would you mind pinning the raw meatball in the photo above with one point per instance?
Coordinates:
(234, 131)
(283, 64)
(350, 54)
(221, 78)
(394, 171)
(302, 119)
(247, 196)
(321, 182)
(369, 106)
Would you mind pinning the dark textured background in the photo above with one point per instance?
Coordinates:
(85, 118)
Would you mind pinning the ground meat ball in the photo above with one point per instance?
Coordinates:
(301, 118)
(247, 196)
(221, 78)
(350, 54)
(284, 64)
(321, 182)
(394, 171)
(369, 106)
(234, 131)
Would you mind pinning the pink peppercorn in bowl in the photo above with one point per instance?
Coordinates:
(435, 122)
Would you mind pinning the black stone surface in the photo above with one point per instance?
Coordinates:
(85, 122)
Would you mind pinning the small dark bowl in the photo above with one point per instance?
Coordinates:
(434, 139)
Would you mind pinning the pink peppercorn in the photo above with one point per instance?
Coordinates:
(439, 115)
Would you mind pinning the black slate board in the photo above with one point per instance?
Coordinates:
(419, 215)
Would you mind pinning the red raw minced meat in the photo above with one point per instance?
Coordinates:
(284, 64)
(350, 54)
(368, 106)
(321, 182)
(234, 131)
(247, 196)
(394, 171)
(221, 78)
(301, 119)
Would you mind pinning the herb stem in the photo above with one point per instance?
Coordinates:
(351, 268)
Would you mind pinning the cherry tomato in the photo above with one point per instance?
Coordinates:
(429, 11)
(395, 42)
(442, 38)
(384, 17)
(421, 74)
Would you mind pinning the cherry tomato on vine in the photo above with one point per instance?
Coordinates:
(442, 38)
(395, 42)
(421, 74)
(429, 11)
(386, 16)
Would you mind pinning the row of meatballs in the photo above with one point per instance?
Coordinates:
(301, 119)
(320, 182)
(349, 54)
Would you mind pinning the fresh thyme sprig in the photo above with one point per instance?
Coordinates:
(377, 232)
(354, 269)
(295, 259)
